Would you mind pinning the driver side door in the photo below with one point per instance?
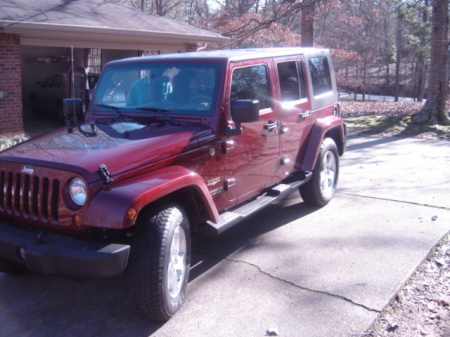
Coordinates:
(252, 157)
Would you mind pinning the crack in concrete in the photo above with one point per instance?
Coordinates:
(395, 200)
(321, 292)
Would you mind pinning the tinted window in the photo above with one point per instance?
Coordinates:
(320, 75)
(292, 81)
(251, 83)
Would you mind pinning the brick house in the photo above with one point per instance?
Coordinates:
(37, 37)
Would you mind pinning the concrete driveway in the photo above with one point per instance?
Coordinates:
(290, 270)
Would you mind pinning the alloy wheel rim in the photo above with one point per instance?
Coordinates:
(177, 267)
(328, 175)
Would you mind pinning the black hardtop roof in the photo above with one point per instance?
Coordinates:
(230, 55)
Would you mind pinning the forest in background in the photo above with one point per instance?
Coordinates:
(379, 47)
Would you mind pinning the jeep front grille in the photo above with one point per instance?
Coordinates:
(30, 196)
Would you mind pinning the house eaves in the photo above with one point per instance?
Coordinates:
(95, 24)
(52, 35)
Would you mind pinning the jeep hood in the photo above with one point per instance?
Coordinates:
(121, 146)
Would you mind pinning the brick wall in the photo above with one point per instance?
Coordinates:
(11, 120)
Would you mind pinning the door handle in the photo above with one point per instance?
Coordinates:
(302, 115)
(270, 125)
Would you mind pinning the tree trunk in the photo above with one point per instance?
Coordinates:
(307, 24)
(398, 56)
(434, 111)
(420, 78)
(388, 47)
(421, 62)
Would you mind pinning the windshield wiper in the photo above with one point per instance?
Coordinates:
(112, 107)
(162, 111)
(80, 126)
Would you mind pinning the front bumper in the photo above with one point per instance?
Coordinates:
(61, 255)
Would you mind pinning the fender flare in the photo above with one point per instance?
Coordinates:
(109, 207)
(318, 133)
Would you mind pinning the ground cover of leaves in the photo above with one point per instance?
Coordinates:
(422, 306)
(6, 142)
(389, 119)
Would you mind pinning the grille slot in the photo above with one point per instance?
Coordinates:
(33, 196)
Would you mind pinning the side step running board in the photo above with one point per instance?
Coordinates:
(230, 218)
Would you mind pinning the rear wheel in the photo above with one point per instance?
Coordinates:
(160, 261)
(322, 186)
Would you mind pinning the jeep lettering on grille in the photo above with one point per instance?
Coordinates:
(27, 170)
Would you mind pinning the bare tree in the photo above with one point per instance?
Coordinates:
(398, 55)
(434, 111)
(307, 23)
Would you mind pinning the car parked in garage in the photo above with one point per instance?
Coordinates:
(47, 96)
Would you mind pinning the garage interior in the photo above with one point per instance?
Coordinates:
(39, 37)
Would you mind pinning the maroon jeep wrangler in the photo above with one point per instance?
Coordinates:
(170, 145)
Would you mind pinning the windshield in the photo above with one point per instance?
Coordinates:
(178, 88)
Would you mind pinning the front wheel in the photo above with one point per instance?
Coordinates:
(160, 261)
(322, 186)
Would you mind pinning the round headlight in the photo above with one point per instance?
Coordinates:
(78, 191)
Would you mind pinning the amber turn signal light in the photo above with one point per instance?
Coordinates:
(132, 213)
(77, 221)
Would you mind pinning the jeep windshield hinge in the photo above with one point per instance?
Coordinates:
(104, 175)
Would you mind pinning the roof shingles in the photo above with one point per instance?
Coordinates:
(91, 14)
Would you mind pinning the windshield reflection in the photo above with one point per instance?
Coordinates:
(178, 88)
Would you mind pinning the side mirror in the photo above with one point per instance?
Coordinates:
(243, 111)
(73, 109)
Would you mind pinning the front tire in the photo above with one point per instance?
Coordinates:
(322, 186)
(160, 261)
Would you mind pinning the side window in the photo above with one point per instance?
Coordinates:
(251, 83)
(320, 75)
(292, 81)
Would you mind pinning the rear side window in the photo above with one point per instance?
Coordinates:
(251, 83)
(320, 75)
(292, 81)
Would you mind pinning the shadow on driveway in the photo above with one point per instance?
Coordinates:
(39, 305)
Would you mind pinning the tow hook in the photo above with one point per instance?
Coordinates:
(40, 238)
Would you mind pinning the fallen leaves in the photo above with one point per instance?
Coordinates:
(422, 307)
(389, 119)
(357, 109)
